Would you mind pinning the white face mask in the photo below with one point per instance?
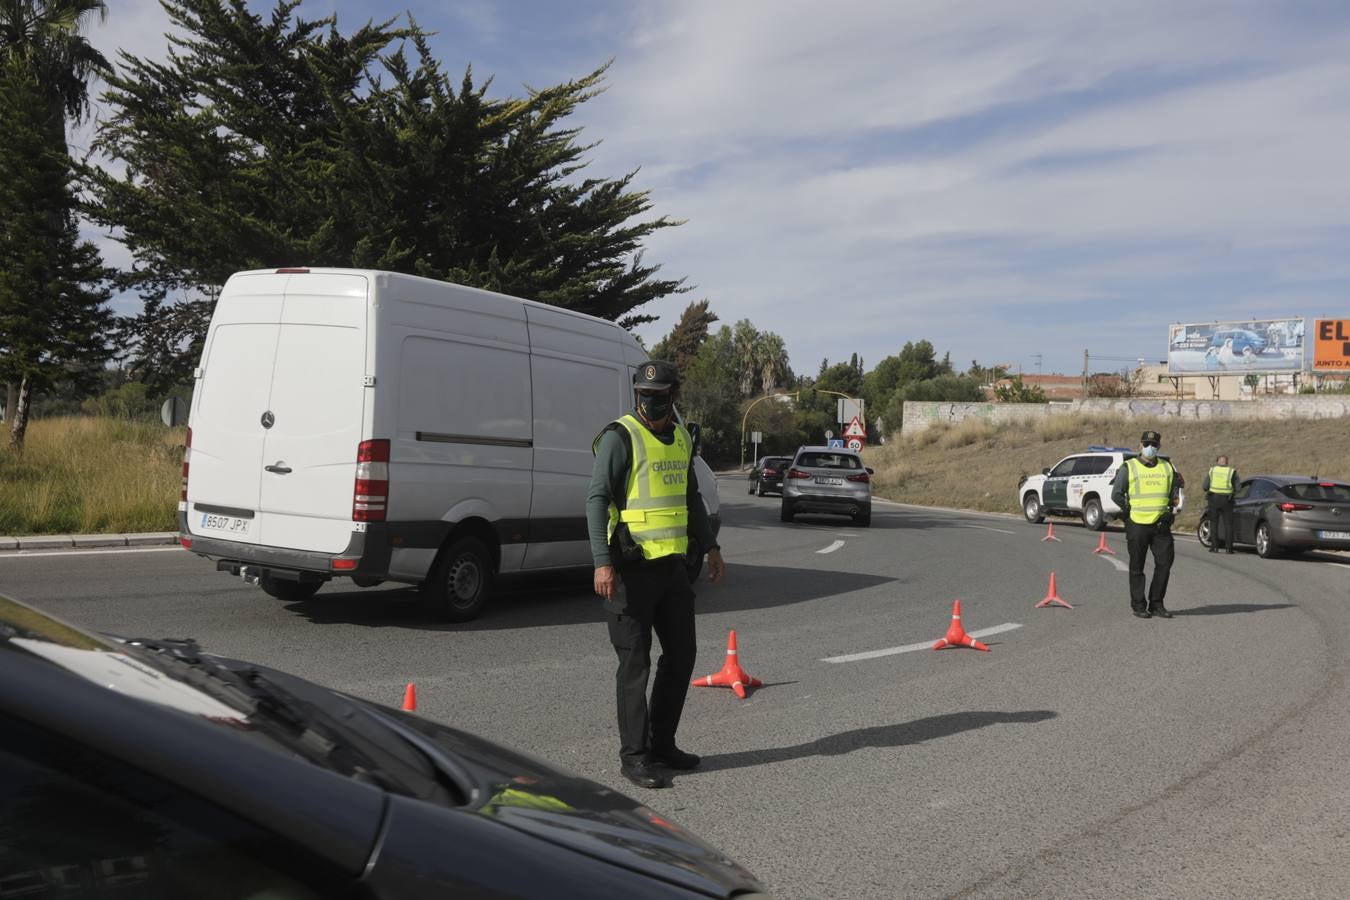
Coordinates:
(1149, 453)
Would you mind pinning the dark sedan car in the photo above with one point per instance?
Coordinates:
(767, 475)
(1279, 513)
(150, 769)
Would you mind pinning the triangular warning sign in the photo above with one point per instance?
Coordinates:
(855, 428)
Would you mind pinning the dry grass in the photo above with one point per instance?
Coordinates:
(976, 466)
(84, 475)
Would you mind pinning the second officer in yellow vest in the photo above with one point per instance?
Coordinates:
(642, 510)
(1146, 490)
(1220, 482)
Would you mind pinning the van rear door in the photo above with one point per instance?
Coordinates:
(317, 404)
(228, 399)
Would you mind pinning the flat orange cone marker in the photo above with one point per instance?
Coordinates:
(956, 635)
(732, 675)
(1052, 595)
(410, 698)
(1050, 533)
(1101, 546)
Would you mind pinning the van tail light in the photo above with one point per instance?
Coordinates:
(797, 473)
(371, 494)
(1291, 507)
(861, 478)
(187, 455)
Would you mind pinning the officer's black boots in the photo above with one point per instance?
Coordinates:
(645, 775)
(675, 758)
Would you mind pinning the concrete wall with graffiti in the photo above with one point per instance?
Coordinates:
(919, 415)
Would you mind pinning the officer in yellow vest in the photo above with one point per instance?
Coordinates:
(1146, 490)
(1220, 482)
(642, 508)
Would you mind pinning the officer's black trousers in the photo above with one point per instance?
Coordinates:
(1220, 511)
(654, 596)
(1140, 539)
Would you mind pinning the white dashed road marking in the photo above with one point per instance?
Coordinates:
(987, 528)
(833, 547)
(910, 648)
(1122, 566)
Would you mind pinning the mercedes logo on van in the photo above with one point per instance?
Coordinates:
(268, 420)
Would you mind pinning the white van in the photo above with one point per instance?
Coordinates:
(384, 427)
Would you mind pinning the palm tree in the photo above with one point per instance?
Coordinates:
(44, 36)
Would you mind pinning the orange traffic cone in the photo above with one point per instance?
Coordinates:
(732, 675)
(410, 698)
(956, 635)
(1101, 546)
(1052, 595)
(1050, 533)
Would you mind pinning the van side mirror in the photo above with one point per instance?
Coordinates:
(696, 433)
(1045, 471)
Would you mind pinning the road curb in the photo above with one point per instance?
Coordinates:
(85, 541)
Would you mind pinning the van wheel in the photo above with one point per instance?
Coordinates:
(693, 560)
(457, 588)
(1093, 520)
(1031, 508)
(289, 591)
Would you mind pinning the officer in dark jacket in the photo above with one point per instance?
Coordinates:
(643, 507)
(1220, 482)
(1146, 490)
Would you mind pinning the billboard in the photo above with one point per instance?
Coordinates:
(1331, 345)
(1252, 346)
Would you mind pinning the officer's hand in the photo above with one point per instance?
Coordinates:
(605, 582)
(716, 567)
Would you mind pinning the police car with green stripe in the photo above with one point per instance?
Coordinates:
(1077, 485)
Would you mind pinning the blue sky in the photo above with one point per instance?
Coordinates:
(1002, 179)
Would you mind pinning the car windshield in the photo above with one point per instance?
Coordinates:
(1338, 493)
(829, 461)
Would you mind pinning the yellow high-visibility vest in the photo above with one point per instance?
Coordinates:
(1221, 479)
(1150, 490)
(655, 509)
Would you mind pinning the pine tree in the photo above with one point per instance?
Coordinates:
(271, 141)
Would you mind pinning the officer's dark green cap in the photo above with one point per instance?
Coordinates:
(656, 375)
(1151, 437)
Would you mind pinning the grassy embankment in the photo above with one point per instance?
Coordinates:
(974, 465)
(89, 476)
(81, 475)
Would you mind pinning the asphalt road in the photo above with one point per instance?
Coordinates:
(1089, 754)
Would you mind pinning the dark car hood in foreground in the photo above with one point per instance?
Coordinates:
(528, 795)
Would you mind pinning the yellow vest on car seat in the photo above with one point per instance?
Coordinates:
(1221, 480)
(655, 509)
(1150, 490)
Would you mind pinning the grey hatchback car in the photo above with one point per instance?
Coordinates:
(828, 480)
(1288, 513)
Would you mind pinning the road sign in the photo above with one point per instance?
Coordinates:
(756, 437)
(837, 443)
(855, 429)
(855, 445)
(828, 434)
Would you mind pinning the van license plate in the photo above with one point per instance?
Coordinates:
(823, 480)
(225, 524)
(1334, 535)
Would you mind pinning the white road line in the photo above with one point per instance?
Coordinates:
(910, 648)
(40, 554)
(833, 547)
(987, 528)
(1122, 566)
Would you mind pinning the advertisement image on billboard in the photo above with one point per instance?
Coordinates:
(1253, 346)
(1331, 345)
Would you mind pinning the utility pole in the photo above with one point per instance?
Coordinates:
(1038, 362)
(1085, 374)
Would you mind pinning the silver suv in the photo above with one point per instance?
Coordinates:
(828, 480)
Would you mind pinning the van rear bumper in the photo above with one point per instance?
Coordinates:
(371, 551)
